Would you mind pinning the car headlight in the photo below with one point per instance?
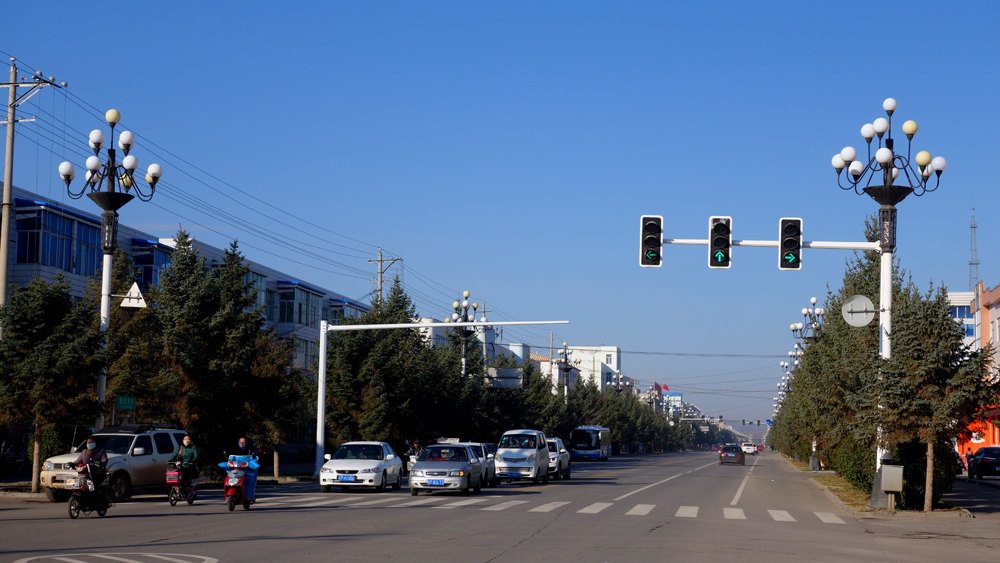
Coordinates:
(417, 473)
(369, 470)
(47, 466)
(327, 470)
(552, 458)
(532, 457)
(456, 473)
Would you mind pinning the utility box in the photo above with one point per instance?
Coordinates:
(892, 478)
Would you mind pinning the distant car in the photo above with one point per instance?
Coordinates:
(559, 459)
(986, 461)
(361, 464)
(489, 475)
(760, 447)
(749, 448)
(716, 447)
(447, 467)
(732, 454)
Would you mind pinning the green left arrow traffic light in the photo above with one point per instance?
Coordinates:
(651, 241)
(790, 243)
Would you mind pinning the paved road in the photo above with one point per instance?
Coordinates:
(682, 507)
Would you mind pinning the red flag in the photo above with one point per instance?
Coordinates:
(665, 388)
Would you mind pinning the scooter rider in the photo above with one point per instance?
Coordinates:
(243, 447)
(187, 455)
(96, 456)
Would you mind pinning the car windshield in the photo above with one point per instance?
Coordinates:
(518, 441)
(359, 451)
(111, 443)
(443, 454)
(553, 447)
(732, 449)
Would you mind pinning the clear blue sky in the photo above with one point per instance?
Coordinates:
(510, 148)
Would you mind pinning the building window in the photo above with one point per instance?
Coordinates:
(961, 312)
(286, 307)
(88, 250)
(45, 238)
(607, 359)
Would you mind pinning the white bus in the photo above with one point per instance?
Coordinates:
(590, 442)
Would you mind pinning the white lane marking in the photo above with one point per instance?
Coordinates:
(113, 558)
(465, 502)
(505, 505)
(327, 501)
(687, 512)
(781, 516)
(594, 508)
(548, 507)
(739, 491)
(640, 510)
(733, 513)
(829, 517)
(626, 495)
(415, 502)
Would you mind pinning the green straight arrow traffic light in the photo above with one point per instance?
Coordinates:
(720, 241)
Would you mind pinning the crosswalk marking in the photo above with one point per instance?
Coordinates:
(829, 518)
(328, 501)
(465, 502)
(548, 507)
(594, 508)
(730, 513)
(687, 512)
(505, 505)
(781, 516)
(376, 501)
(417, 502)
(640, 510)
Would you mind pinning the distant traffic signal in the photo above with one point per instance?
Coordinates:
(651, 241)
(720, 242)
(758, 422)
(790, 244)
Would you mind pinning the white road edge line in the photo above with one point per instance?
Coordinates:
(626, 495)
(739, 491)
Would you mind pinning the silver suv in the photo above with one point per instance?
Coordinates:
(137, 458)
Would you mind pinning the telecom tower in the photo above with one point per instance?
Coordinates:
(973, 258)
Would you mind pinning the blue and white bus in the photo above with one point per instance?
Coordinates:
(590, 442)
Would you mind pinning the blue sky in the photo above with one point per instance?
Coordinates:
(510, 149)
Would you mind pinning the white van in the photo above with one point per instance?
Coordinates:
(523, 454)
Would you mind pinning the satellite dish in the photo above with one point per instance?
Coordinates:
(858, 310)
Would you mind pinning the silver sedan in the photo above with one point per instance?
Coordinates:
(447, 467)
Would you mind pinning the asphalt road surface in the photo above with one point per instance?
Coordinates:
(673, 507)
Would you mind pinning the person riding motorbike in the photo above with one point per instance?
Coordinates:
(95, 456)
(187, 455)
(243, 447)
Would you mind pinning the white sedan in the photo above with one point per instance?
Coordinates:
(361, 464)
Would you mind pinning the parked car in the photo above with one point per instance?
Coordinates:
(137, 458)
(362, 464)
(732, 453)
(986, 461)
(559, 459)
(447, 467)
(523, 454)
(749, 448)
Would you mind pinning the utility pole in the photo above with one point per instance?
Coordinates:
(13, 101)
(382, 270)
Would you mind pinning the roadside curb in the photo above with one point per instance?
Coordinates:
(879, 513)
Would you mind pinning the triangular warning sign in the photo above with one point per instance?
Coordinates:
(134, 297)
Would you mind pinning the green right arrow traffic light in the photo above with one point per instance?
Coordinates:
(720, 242)
(790, 243)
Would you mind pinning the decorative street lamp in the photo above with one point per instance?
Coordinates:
(119, 187)
(461, 315)
(862, 177)
(813, 320)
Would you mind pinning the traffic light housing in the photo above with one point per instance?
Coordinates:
(651, 241)
(790, 243)
(758, 422)
(720, 242)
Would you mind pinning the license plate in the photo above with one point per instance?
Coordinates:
(435, 482)
(348, 478)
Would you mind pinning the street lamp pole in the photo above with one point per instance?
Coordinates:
(120, 188)
(461, 315)
(860, 177)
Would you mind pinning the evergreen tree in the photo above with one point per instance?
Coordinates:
(50, 360)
